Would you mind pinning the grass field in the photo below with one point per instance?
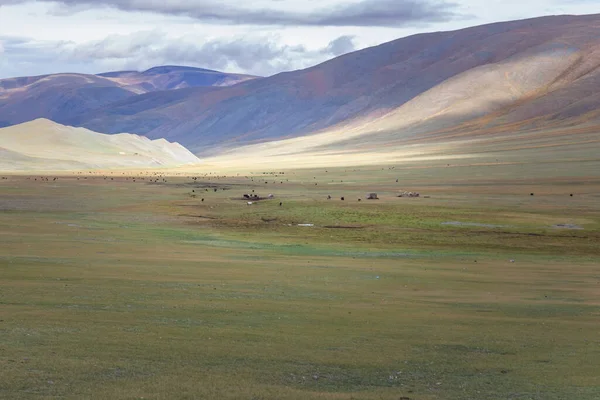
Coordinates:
(115, 289)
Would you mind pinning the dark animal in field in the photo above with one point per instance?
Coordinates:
(246, 196)
(280, 204)
(571, 194)
(216, 189)
(372, 196)
(328, 197)
(342, 199)
(531, 194)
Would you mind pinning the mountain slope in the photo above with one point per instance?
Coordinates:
(63, 97)
(55, 97)
(46, 144)
(433, 80)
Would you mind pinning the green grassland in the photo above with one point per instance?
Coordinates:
(114, 289)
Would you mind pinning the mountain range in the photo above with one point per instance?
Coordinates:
(527, 75)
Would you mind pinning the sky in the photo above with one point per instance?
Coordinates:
(259, 37)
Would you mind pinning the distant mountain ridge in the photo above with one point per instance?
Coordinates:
(169, 77)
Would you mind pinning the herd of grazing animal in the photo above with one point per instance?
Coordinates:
(157, 177)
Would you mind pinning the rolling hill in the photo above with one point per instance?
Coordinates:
(45, 145)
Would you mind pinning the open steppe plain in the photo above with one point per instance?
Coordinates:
(122, 285)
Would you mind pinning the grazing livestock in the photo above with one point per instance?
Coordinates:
(409, 194)
(372, 196)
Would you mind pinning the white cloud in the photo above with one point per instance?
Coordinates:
(358, 13)
(257, 54)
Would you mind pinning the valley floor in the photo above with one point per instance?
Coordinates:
(160, 287)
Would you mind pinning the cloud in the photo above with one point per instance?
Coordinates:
(341, 45)
(366, 13)
(259, 55)
(26, 56)
(1, 47)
